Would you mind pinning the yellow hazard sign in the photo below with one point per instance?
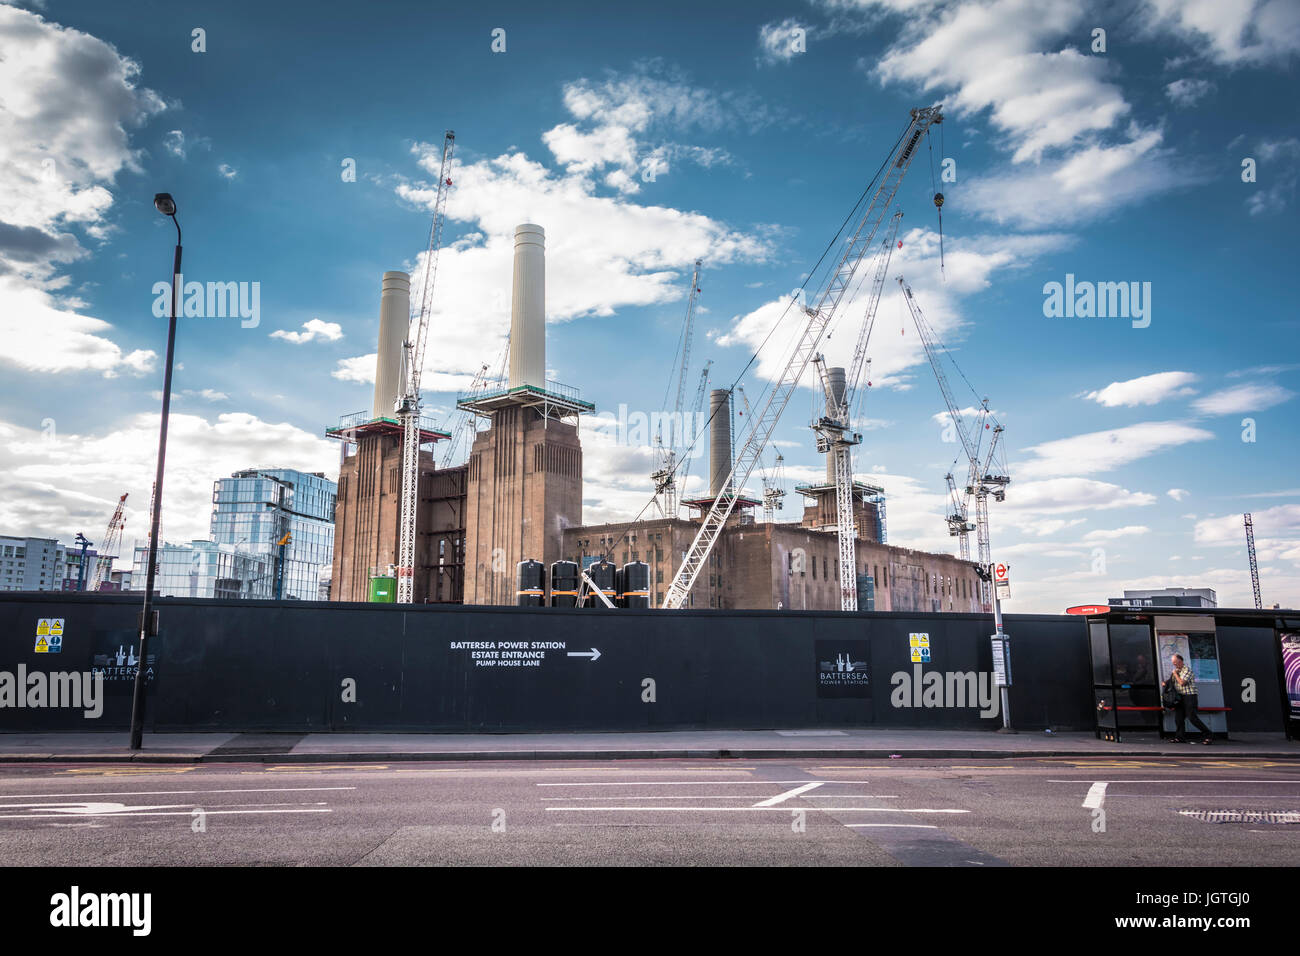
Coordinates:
(49, 626)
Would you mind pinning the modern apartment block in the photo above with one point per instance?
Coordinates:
(31, 564)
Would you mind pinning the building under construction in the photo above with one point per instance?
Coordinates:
(519, 497)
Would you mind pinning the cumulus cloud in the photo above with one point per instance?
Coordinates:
(1106, 450)
(227, 171)
(1234, 33)
(782, 42)
(313, 329)
(57, 484)
(1145, 390)
(1188, 91)
(1254, 397)
(1116, 534)
(1178, 494)
(67, 101)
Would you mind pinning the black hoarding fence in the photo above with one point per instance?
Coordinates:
(310, 667)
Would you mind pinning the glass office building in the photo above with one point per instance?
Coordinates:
(206, 569)
(253, 510)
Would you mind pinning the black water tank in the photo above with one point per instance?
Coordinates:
(530, 584)
(634, 590)
(603, 574)
(564, 584)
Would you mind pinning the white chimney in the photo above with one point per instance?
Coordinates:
(394, 322)
(528, 308)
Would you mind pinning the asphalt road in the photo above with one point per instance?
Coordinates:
(1058, 812)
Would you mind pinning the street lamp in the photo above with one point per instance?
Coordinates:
(164, 203)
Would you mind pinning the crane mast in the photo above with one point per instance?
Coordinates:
(700, 392)
(1254, 564)
(112, 539)
(817, 318)
(981, 479)
(408, 406)
(773, 492)
(834, 431)
(665, 477)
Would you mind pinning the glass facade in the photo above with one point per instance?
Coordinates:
(207, 569)
(254, 509)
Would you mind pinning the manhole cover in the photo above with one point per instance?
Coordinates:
(1243, 816)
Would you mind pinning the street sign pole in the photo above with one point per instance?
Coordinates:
(1002, 647)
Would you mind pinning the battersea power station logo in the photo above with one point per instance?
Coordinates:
(842, 669)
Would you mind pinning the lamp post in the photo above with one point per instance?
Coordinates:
(164, 203)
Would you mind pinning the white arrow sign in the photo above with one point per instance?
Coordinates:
(593, 654)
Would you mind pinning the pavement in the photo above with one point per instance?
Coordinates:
(865, 743)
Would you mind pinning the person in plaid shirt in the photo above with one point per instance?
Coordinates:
(1185, 681)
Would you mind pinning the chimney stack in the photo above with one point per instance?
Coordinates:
(836, 377)
(528, 309)
(394, 322)
(719, 440)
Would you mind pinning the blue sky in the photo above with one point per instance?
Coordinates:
(642, 137)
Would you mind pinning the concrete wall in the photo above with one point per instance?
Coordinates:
(247, 665)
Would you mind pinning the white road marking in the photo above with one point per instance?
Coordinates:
(1293, 782)
(753, 809)
(153, 813)
(909, 826)
(737, 796)
(783, 797)
(155, 793)
(1096, 796)
(681, 783)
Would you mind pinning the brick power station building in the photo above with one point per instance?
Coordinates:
(520, 496)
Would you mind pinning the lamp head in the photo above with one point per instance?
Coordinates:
(164, 203)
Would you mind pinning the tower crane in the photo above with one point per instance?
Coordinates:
(696, 408)
(664, 477)
(408, 405)
(817, 317)
(834, 430)
(463, 428)
(986, 471)
(1254, 565)
(773, 486)
(111, 541)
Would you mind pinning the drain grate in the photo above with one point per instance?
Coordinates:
(1243, 816)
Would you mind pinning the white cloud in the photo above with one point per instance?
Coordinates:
(67, 100)
(1116, 534)
(1178, 494)
(1232, 32)
(174, 142)
(1055, 106)
(227, 171)
(1188, 91)
(58, 487)
(39, 336)
(1278, 173)
(971, 265)
(1057, 496)
(315, 329)
(1146, 390)
(1254, 397)
(1106, 450)
(782, 42)
(602, 254)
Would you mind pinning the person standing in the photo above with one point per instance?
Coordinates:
(1185, 683)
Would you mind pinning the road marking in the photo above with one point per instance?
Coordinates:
(154, 793)
(1096, 796)
(151, 813)
(1292, 782)
(318, 768)
(124, 771)
(755, 808)
(736, 796)
(905, 826)
(783, 797)
(676, 783)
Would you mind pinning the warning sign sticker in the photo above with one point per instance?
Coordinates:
(49, 635)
